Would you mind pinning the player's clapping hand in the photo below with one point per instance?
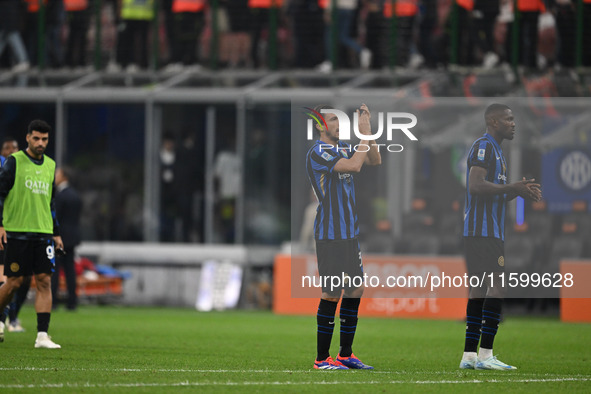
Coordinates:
(364, 117)
(535, 193)
(530, 190)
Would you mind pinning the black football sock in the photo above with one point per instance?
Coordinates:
(43, 321)
(473, 323)
(348, 315)
(325, 321)
(491, 316)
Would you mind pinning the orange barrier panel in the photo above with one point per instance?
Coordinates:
(102, 286)
(575, 301)
(450, 303)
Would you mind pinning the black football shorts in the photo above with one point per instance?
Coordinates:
(339, 259)
(484, 254)
(28, 257)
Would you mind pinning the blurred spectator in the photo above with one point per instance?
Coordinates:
(180, 197)
(260, 14)
(308, 25)
(220, 16)
(405, 12)
(189, 19)
(133, 33)
(55, 17)
(427, 26)
(345, 18)
(465, 29)
(239, 21)
(503, 33)
(377, 28)
(529, 11)
(31, 31)
(78, 15)
(68, 206)
(9, 33)
(236, 45)
(168, 209)
(529, 15)
(587, 33)
(188, 184)
(169, 26)
(485, 15)
(227, 171)
(564, 12)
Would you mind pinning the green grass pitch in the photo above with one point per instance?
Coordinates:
(119, 349)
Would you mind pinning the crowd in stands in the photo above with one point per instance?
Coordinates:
(293, 33)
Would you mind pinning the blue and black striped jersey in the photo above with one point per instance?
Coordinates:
(336, 215)
(484, 216)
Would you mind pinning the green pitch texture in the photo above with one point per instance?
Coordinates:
(145, 350)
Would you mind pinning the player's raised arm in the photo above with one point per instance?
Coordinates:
(373, 158)
(355, 163)
(363, 155)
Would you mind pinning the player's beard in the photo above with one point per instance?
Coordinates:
(38, 151)
(335, 136)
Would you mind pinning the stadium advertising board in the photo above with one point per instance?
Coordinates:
(445, 302)
(575, 301)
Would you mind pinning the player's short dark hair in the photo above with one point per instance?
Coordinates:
(494, 110)
(322, 106)
(318, 108)
(40, 126)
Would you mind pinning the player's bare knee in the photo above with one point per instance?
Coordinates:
(477, 292)
(14, 282)
(496, 292)
(330, 297)
(43, 282)
(354, 293)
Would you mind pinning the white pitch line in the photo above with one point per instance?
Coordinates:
(163, 370)
(286, 383)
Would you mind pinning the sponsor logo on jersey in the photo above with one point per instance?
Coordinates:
(37, 187)
(481, 154)
(327, 156)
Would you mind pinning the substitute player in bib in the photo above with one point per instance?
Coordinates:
(330, 165)
(487, 193)
(28, 228)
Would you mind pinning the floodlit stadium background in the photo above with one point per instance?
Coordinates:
(181, 245)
